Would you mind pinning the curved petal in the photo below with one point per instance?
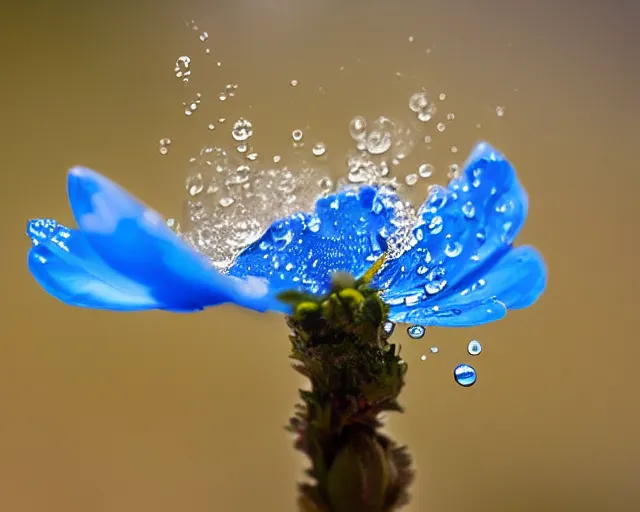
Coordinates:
(348, 231)
(135, 242)
(66, 266)
(463, 231)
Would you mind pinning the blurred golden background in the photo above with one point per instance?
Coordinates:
(106, 412)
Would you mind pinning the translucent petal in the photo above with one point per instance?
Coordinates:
(348, 231)
(135, 242)
(463, 231)
(517, 280)
(66, 266)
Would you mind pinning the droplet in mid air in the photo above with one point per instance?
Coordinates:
(499, 110)
(435, 350)
(297, 135)
(358, 128)
(242, 130)
(411, 179)
(388, 328)
(164, 145)
(416, 331)
(319, 149)
(425, 170)
(474, 347)
(182, 68)
(465, 375)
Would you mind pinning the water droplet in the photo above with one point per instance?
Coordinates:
(418, 101)
(451, 116)
(388, 328)
(469, 210)
(442, 96)
(378, 142)
(319, 149)
(211, 126)
(474, 347)
(195, 184)
(164, 145)
(182, 68)
(294, 83)
(204, 36)
(297, 135)
(427, 139)
(425, 170)
(499, 111)
(276, 158)
(416, 331)
(454, 149)
(242, 130)
(441, 127)
(453, 249)
(434, 350)
(411, 39)
(423, 357)
(207, 51)
(411, 179)
(465, 375)
(252, 157)
(358, 128)
(226, 201)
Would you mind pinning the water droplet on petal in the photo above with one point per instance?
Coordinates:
(474, 347)
(465, 375)
(416, 331)
(469, 210)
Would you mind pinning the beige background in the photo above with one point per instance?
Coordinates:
(159, 412)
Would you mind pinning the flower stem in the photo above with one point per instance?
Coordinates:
(339, 343)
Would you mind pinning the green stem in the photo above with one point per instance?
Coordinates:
(339, 343)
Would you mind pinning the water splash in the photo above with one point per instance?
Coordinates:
(231, 204)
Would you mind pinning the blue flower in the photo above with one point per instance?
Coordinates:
(451, 263)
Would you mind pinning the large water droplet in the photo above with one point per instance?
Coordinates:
(465, 375)
(469, 210)
(474, 347)
(416, 331)
(242, 129)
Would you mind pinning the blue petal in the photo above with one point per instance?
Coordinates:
(463, 232)
(66, 266)
(348, 232)
(134, 241)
